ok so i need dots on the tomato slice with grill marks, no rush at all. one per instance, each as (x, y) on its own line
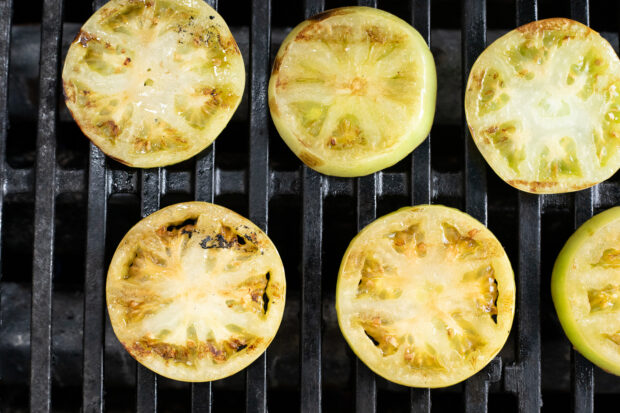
(195, 292)
(153, 82)
(425, 296)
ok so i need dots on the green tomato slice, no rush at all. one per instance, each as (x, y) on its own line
(352, 91)
(586, 289)
(543, 106)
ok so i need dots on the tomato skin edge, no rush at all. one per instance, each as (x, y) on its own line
(340, 319)
(558, 292)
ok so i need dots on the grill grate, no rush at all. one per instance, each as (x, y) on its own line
(262, 181)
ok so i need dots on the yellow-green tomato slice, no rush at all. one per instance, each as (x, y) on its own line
(543, 106)
(153, 82)
(195, 292)
(586, 289)
(425, 296)
(352, 91)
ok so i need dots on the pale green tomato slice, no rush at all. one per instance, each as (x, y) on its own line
(586, 289)
(352, 91)
(543, 106)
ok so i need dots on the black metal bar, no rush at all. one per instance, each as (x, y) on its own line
(44, 210)
(94, 280)
(260, 38)
(473, 36)
(365, 385)
(94, 285)
(6, 12)
(146, 380)
(201, 397)
(312, 245)
(420, 400)
(421, 179)
(527, 11)
(312, 7)
(527, 376)
(580, 11)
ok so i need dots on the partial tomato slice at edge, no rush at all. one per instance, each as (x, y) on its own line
(585, 287)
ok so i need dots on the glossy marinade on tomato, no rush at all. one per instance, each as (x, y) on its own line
(425, 296)
(352, 90)
(153, 82)
(195, 292)
(585, 287)
(543, 106)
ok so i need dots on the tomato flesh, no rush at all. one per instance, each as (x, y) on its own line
(425, 296)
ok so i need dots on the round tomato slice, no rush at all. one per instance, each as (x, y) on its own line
(153, 82)
(585, 287)
(425, 296)
(352, 91)
(195, 292)
(543, 106)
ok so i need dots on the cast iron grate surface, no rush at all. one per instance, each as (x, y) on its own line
(65, 206)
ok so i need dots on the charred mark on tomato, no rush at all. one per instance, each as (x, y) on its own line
(191, 222)
(375, 342)
(84, 37)
(265, 296)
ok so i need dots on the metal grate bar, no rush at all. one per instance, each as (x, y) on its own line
(582, 379)
(421, 180)
(44, 212)
(146, 380)
(312, 245)
(6, 13)
(526, 373)
(473, 38)
(365, 386)
(256, 378)
(94, 280)
(94, 285)
(201, 398)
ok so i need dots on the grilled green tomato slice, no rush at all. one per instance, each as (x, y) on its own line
(425, 296)
(153, 82)
(195, 292)
(543, 106)
(585, 287)
(352, 91)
